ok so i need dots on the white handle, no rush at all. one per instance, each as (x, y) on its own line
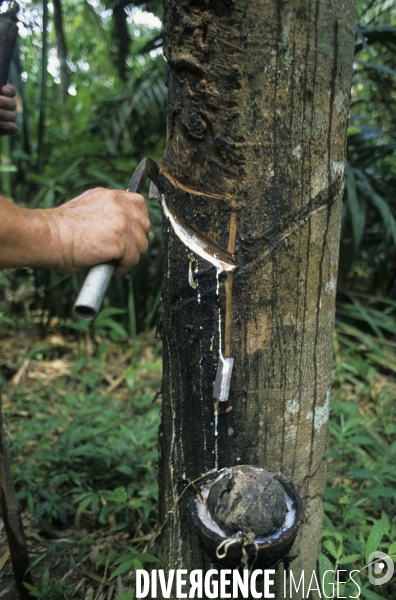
(92, 292)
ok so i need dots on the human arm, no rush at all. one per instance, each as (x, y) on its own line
(99, 226)
(7, 110)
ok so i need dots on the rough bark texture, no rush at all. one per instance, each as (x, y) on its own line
(257, 115)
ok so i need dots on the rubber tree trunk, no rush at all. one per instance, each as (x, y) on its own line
(257, 118)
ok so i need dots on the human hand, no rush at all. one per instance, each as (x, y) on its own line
(97, 227)
(7, 110)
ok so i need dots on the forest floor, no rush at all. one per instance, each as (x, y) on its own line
(81, 420)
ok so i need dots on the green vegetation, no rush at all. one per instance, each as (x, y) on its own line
(82, 425)
(369, 226)
(360, 501)
(112, 123)
(81, 402)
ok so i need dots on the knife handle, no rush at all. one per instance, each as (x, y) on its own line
(91, 296)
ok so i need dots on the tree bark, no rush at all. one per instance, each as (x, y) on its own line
(257, 117)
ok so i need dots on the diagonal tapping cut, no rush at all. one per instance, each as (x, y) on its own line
(197, 242)
(223, 260)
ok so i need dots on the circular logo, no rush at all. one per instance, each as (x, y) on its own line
(380, 568)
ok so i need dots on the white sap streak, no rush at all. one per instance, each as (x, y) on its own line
(218, 271)
(201, 396)
(191, 281)
(197, 284)
(197, 246)
(216, 419)
(216, 414)
(172, 460)
(220, 352)
(176, 532)
(191, 241)
(225, 363)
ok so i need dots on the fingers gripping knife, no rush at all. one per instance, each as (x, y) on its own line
(92, 293)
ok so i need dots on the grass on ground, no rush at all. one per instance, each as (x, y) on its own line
(82, 420)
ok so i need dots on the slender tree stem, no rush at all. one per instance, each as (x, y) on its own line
(43, 86)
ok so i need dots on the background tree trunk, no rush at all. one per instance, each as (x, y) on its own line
(257, 116)
(43, 90)
(61, 49)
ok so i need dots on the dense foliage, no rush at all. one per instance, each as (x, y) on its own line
(369, 225)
